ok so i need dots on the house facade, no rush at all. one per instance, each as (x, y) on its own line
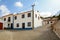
(8, 21)
(49, 21)
(37, 19)
(22, 20)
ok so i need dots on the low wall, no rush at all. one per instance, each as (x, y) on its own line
(56, 28)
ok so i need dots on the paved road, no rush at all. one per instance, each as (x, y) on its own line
(47, 35)
(36, 34)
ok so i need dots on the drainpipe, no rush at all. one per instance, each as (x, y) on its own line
(33, 16)
(13, 21)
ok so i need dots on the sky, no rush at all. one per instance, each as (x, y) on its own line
(46, 7)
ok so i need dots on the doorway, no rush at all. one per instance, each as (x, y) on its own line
(11, 25)
(23, 25)
(1, 26)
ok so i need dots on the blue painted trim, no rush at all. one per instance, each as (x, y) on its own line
(22, 29)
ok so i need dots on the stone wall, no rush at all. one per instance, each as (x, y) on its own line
(56, 28)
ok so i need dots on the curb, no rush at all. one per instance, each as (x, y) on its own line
(56, 33)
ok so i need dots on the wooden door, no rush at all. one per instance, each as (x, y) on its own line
(1, 26)
(23, 25)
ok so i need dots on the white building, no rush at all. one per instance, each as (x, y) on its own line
(22, 20)
(8, 21)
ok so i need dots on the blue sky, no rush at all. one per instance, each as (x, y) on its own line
(46, 7)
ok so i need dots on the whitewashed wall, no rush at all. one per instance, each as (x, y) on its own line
(37, 22)
(5, 23)
(21, 20)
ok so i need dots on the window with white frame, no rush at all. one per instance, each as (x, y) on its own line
(29, 24)
(17, 25)
(29, 14)
(9, 19)
(15, 17)
(4, 19)
(23, 16)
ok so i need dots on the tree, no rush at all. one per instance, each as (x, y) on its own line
(54, 16)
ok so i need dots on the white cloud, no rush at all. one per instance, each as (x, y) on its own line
(14, 13)
(4, 10)
(18, 4)
(46, 14)
(52, 6)
(55, 1)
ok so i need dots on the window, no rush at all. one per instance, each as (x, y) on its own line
(8, 25)
(29, 14)
(47, 22)
(15, 17)
(51, 21)
(4, 19)
(36, 15)
(17, 25)
(9, 19)
(29, 23)
(23, 16)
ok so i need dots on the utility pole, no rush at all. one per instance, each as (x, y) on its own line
(33, 16)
